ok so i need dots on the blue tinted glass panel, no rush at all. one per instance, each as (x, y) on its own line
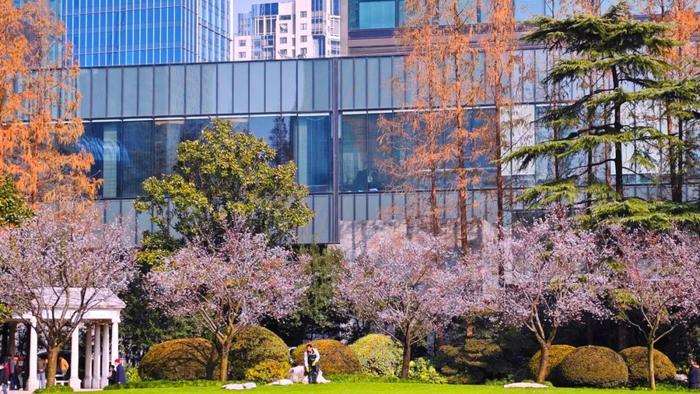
(99, 93)
(272, 86)
(372, 83)
(289, 86)
(145, 91)
(166, 137)
(193, 89)
(347, 88)
(208, 89)
(161, 85)
(257, 83)
(312, 152)
(114, 92)
(386, 85)
(240, 88)
(322, 83)
(177, 90)
(130, 91)
(353, 153)
(85, 93)
(305, 88)
(360, 83)
(224, 88)
(136, 154)
(372, 14)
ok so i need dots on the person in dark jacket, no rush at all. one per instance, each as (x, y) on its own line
(694, 375)
(4, 378)
(120, 372)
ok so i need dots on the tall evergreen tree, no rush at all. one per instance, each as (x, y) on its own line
(624, 56)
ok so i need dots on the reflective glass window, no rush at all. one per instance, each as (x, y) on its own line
(322, 83)
(193, 89)
(160, 102)
(353, 153)
(313, 152)
(372, 83)
(192, 129)
(372, 14)
(114, 92)
(346, 84)
(130, 91)
(209, 88)
(240, 87)
(386, 87)
(135, 157)
(224, 88)
(272, 86)
(177, 90)
(85, 93)
(166, 137)
(360, 83)
(257, 90)
(276, 132)
(99, 93)
(289, 86)
(145, 91)
(305, 80)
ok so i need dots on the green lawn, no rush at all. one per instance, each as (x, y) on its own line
(380, 388)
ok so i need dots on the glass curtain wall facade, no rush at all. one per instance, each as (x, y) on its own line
(132, 32)
(321, 113)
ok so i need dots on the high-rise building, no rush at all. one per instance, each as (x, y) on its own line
(135, 32)
(288, 29)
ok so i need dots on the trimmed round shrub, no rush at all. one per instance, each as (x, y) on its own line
(422, 370)
(636, 359)
(557, 353)
(252, 346)
(592, 366)
(179, 359)
(336, 358)
(267, 371)
(379, 355)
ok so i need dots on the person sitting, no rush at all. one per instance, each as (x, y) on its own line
(311, 363)
(694, 375)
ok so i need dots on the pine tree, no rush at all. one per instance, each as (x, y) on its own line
(624, 57)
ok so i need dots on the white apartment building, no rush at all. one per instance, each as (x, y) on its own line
(288, 29)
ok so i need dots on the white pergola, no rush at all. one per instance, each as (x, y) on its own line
(101, 325)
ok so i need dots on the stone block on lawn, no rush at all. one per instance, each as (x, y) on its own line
(525, 385)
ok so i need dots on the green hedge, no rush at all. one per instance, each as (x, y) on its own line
(592, 366)
(179, 359)
(636, 360)
(254, 345)
(379, 355)
(557, 353)
(336, 358)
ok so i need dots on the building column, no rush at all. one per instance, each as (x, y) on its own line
(87, 379)
(32, 382)
(115, 340)
(12, 339)
(74, 381)
(105, 356)
(97, 359)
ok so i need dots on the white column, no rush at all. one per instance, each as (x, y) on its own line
(87, 379)
(105, 355)
(32, 382)
(74, 381)
(115, 341)
(97, 359)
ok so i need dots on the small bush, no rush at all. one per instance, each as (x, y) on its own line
(336, 358)
(179, 359)
(592, 366)
(636, 360)
(55, 389)
(557, 353)
(379, 355)
(254, 345)
(132, 375)
(423, 371)
(267, 371)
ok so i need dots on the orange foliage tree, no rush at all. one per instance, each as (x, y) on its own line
(39, 125)
(428, 146)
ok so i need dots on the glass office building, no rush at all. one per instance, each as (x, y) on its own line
(132, 32)
(321, 113)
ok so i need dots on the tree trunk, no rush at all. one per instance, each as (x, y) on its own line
(434, 219)
(619, 183)
(462, 196)
(223, 360)
(677, 167)
(650, 365)
(406, 363)
(51, 364)
(544, 362)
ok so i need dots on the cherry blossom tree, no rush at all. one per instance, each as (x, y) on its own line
(60, 265)
(657, 277)
(552, 276)
(408, 287)
(229, 287)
